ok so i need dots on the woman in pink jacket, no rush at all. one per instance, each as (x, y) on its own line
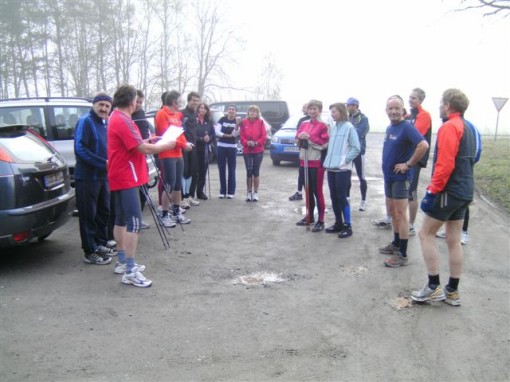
(253, 136)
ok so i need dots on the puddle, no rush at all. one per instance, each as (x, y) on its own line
(259, 278)
(400, 303)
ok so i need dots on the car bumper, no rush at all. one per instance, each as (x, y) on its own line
(38, 220)
(284, 153)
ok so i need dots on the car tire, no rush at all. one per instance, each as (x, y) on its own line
(276, 162)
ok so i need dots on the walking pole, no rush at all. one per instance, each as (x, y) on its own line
(207, 147)
(307, 189)
(152, 209)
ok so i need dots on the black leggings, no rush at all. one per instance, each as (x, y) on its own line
(253, 162)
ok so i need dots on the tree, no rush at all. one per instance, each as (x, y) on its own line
(490, 7)
(270, 79)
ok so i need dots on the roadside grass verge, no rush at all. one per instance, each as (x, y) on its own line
(492, 172)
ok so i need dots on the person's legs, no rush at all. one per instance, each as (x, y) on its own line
(335, 198)
(248, 163)
(231, 163)
(202, 173)
(222, 169)
(257, 162)
(359, 164)
(103, 212)
(413, 196)
(86, 201)
(321, 203)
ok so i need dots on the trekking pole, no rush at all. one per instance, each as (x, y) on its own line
(208, 176)
(152, 209)
(307, 186)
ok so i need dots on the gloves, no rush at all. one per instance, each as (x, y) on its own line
(428, 201)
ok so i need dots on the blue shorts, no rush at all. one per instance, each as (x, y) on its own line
(447, 208)
(128, 210)
(413, 195)
(398, 189)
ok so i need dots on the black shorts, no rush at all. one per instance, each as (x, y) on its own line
(413, 195)
(398, 189)
(447, 208)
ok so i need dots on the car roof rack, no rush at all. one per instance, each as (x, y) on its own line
(47, 99)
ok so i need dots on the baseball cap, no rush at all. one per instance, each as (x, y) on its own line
(352, 101)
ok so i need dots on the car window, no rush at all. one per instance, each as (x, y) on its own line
(26, 149)
(63, 120)
(32, 116)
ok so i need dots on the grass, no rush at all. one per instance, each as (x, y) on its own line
(492, 172)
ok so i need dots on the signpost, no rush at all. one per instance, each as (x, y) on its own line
(499, 102)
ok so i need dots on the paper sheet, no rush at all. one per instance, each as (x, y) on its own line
(170, 135)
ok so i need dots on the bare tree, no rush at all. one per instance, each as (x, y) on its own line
(490, 7)
(270, 80)
(214, 44)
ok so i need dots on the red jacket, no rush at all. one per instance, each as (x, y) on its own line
(253, 130)
(164, 118)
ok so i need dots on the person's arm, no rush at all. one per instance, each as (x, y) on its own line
(262, 136)
(423, 122)
(363, 127)
(82, 140)
(354, 146)
(151, 148)
(447, 148)
(242, 134)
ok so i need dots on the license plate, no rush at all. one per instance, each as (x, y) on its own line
(53, 179)
(291, 149)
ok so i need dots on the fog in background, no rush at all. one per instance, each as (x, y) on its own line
(372, 49)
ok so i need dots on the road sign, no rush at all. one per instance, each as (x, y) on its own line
(499, 102)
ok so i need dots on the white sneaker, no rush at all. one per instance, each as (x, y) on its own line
(167, 221)
(363, 206)
(136, 279)
(180, 219)
(412, 230)
(122, 268)
(249, 197)
(464, 239)
(185, 204)
(222, 196)
(111, 243)
(230, 196)
(144, 225)
(192, 202)
(441, 233)
(255, 197)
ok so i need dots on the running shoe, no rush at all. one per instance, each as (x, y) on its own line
(111, 243)
(395, 261)
(319, 226)
(345, 232)
(296, 196)
(381, 223)
(167, 222)
(136, 279)
(428, 294)
(97, 259)
(103, 250)
(255, 197)
(363, 206)
(412, 230)
(441, 233)
(144, 225)
(249, 197)
(464, 238)
(303, 222)
(192, 202)
(389, 249)
(181, 219)
(452, 296)
(230, 196)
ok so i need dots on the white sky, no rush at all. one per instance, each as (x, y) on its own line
(331, 50)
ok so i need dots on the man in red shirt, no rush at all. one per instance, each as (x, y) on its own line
(127, 172)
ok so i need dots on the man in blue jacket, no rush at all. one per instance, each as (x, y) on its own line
(92, 191)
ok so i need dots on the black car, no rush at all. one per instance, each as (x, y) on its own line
(37, 197)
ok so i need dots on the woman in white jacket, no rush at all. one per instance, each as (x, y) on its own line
(343, 147)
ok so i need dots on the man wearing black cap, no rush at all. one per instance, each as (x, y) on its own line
(360, 123)
(92, 191)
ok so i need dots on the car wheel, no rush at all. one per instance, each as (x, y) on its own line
(276, 162)
(43, 237)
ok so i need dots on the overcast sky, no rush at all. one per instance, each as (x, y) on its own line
(332, 50)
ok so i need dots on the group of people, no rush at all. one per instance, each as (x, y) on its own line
(336, 149)
(111, 171)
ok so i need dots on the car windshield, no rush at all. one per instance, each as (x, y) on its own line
(291, 123)
(26, 149)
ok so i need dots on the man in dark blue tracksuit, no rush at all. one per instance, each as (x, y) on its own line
(92, 191)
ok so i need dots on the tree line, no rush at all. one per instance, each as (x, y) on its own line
(77, 47)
